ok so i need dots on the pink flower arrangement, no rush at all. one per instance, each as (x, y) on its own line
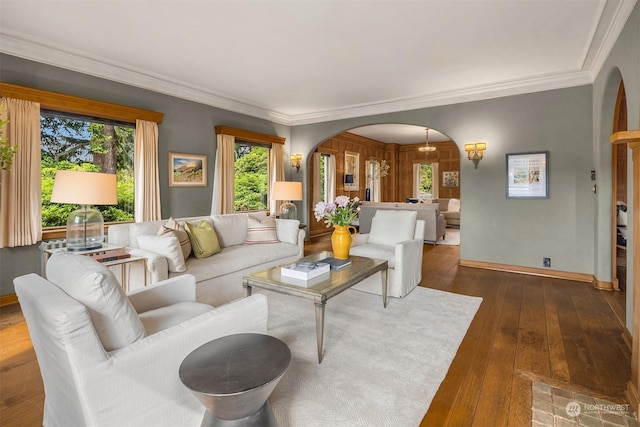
(342, 212)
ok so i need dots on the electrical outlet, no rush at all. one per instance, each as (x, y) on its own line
(546, 262)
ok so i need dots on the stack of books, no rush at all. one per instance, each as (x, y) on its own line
(111, 256)
(305, 270)
(336, 264)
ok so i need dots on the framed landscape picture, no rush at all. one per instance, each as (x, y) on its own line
(528, 175)
(450, 179)
(187, 170)
(352, 167)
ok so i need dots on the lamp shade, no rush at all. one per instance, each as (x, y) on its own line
(286, 190)
(85, 188)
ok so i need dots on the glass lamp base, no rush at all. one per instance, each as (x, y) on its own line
(288, 211)
(85, 229)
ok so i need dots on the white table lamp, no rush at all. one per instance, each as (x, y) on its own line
(85, 226)
(287, 191)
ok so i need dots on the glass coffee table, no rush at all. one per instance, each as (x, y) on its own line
(322, 288)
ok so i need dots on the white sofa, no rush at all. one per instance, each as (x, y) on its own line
(395, 235)
(219, 277)
(110, 359)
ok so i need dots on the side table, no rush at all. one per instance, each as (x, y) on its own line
(233, 377)
(124, 263)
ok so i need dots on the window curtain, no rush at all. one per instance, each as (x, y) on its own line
(20, 187)
(147, 183)
(435, 180)
(375, 166)
(276, 173)
(317, 174)
(223, 178)
(331, 178)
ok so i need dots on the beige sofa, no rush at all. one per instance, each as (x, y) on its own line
(450, 210)
(435, 225)
(219, 277)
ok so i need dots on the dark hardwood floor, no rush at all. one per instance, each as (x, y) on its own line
(527, 328)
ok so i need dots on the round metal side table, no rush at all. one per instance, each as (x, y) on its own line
(233, 377)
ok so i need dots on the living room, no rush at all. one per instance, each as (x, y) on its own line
(573, 123)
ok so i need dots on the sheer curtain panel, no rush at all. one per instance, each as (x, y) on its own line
(276, 172)
(147, 188)
(20, 187)
(223, 177)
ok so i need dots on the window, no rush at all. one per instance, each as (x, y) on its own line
(324, 182)
(425, 181)
(251, 177)
(75, 142)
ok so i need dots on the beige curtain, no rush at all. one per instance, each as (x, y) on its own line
(20, 187)
(147, 181)
(276, 173)
(331, 178)
(223, 176)
(316, 179)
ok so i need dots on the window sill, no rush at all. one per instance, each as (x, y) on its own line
(52, 233)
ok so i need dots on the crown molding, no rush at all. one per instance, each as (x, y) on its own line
(100, 67)
(612, 20)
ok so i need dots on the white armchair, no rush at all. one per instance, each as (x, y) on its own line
(397, 236)
(110, 359)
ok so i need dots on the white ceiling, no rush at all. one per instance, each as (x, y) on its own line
(306, 61)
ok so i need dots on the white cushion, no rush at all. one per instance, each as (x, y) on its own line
(389, 227)
(259, 232)
(165, 317)
(172, 226)
(454, 205)
(167, 245)
(91, 283)
(376, 251)
(287, 230)
(231, 229)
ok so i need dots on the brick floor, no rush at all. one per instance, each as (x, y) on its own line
(556, 407)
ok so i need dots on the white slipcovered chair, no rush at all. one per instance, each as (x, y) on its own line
(108, 359)
(397, 236)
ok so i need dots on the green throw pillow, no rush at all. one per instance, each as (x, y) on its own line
(203, 238)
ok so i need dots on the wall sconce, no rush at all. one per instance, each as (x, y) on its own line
(475, 152)
(295, 161)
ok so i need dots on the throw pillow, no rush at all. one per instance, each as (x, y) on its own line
(389, 227)
(168, 246)
(91, 283)
(204, 240)
(287, 230)
(261, 231)
(173, 226)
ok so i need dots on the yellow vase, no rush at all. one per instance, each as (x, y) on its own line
(341, 240)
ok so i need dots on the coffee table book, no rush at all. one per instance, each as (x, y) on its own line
(305, 270)
(336, 263)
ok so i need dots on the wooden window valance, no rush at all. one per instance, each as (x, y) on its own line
(77, 105)
(249, 136)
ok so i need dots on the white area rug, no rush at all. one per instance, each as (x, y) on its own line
(381, 367)
(451, 237)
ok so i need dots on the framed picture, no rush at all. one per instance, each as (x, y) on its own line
(187, 170)
(528, 175)
(450, 179)
(352, 167)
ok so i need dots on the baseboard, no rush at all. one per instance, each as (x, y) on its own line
(544, 272)
(8, 299)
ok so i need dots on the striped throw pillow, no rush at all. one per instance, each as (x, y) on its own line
(261, 231)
